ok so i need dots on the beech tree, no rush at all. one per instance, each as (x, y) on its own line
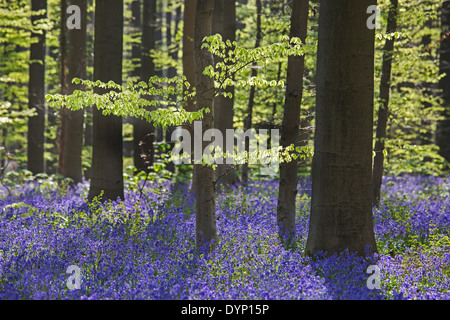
(286, 208)
(225, 25)
(203, 176)
(251, 99)
(383, 111)
(144, 131)
(443, 127)
(36, 95)
(341, 203)
(107, 152)
(72, 130)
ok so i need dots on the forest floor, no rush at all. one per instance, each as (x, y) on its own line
(144, 246)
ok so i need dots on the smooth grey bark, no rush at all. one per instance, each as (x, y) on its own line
(203, 180)
(71, 163)
(144, 133)
(341, 204)
(36, 96)
(225, 25)
(286, 209)
(107, 152)
(383, 111)
(442, 135)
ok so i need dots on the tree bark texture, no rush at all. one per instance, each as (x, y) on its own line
(341, 204)
(36, 96)
(144, 132)
(71, 164)
(204, 188)
(290, 128)
(107, 155)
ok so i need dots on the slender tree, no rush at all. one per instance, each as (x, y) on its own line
(442, 135)
(251, 100)
(72, 130)
(341, 203)
(107, 159)
(204, 183)
(383, 111)
(225, 24)
(188, 48)
(291, 123)
(143, 131)
(36, 95)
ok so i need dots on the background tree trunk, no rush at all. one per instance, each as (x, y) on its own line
(383, 111)
(341, 204)
(204, 184)
(251, 100)
(144, 136)
(442, 135)
(36, 94)
(188, 48)
(225, 24)
(71, 164)
(107, 160)
(290, 128)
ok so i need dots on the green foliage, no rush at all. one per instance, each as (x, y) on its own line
(129, 101)
(415, 102)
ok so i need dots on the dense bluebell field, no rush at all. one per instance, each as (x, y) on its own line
(143, 248)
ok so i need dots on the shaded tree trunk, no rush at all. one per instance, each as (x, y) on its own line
(383, 111)
(204, 184)
(442, 136)
(36, 96)
(63, 76)
(188, 49)
(72, 136)
(341, 203)
(225, 24)
(290, 128)
(251, 100)
(143, 131)
(107, 155)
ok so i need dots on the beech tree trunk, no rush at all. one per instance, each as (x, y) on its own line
(188, 48)
(341, 204)
(225, 25)
(383, 111)
(442, 135)
(72, 136)
(251, 100)
(36, 96)
(291, 123)
(107, 155)
(204, 184)
(144, 136)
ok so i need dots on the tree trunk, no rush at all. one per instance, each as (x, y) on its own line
(383, 111)
(290, 127)
(206, 232)
(188, 48)
(107, 160)
(63, 77)
(442, 135)
(143, 131)
(71, 164)
(225, 24)
(251, 100)
(341, 204)
(36, 94)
